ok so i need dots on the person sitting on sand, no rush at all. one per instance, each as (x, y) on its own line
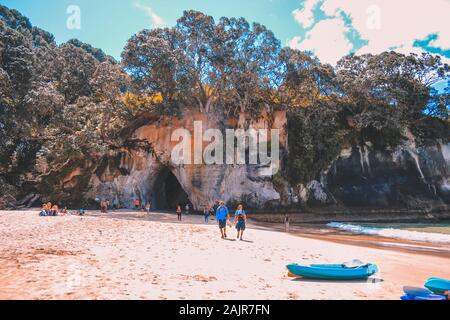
(222, 217)
(55, 211)
(64, 211)
(81, 212)
(44, 212)
(240, 219)
(49, 208)
(179, 212)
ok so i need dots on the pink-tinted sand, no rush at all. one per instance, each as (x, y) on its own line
(130, 255)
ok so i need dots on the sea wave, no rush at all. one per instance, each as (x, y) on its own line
(393, 233)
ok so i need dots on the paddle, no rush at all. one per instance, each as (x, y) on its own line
(416, 292)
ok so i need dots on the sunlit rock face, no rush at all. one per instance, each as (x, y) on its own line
(157, 179)
(406, 177)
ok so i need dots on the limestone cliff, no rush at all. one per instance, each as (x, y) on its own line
(408, 177)
(155, 178)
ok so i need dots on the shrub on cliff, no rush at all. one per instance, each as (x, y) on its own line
(63, 104)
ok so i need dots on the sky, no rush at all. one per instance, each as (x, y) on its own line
(329, 29)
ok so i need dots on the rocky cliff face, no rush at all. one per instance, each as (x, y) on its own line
(407, 177)
(156, 178)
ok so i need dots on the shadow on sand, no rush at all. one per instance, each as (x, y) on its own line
(370, 280)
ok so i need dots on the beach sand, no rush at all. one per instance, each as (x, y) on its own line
(129, 255)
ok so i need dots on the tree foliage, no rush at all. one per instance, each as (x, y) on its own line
(61, 105)
(223, 67)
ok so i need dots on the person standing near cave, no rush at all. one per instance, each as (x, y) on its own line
(105, 206)
(179, 212)
(136, 204)
(99, 203)
(206, 213)
(287, 223)
(116, 204)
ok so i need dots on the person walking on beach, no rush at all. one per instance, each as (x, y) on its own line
(148, 207)
(222, 217)
(287, 223)
(206, 213)
(179, 212)
(240, 219)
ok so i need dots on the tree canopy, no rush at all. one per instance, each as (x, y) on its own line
(67, 103)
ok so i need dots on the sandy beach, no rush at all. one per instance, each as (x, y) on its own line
(129, 255)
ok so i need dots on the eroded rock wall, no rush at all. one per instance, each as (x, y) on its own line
(137, 173)
(409, 176)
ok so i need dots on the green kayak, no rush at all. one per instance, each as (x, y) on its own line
(333, 271)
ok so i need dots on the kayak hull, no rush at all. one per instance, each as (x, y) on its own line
(332, 272)
(438, 286)
(432, 297)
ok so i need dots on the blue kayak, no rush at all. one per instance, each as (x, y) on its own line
(432, 297)
(333, 271)
(438, 286)
(415, 292)
(420, 294)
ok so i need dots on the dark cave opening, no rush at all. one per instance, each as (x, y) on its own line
(168, 192)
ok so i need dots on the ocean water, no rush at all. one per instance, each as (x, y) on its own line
(434, 233)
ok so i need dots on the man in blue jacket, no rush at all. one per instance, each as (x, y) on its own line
(222, 216)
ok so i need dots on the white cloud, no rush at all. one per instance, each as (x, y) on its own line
(327, 40)
(156, 20)
(305, 16)
(385, 24)
(401, 21)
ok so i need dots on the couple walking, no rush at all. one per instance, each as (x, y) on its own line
(223, 217)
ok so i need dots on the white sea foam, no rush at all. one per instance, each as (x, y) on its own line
(393, 233)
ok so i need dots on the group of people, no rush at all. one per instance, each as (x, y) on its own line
(141, 205)
(222, 217)
(105, 204)
(187, 210)
(219, 209)
(49, 210)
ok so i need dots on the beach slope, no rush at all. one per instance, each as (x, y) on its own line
(129, 255)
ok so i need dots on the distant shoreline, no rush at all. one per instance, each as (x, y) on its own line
(317, 232)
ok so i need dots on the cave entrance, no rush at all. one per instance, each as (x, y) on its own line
(168, 192)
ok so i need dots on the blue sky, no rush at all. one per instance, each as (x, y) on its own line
(108, 24)
(328, 28)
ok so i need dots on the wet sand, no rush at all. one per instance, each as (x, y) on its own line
(129, 255)
(320, 232)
